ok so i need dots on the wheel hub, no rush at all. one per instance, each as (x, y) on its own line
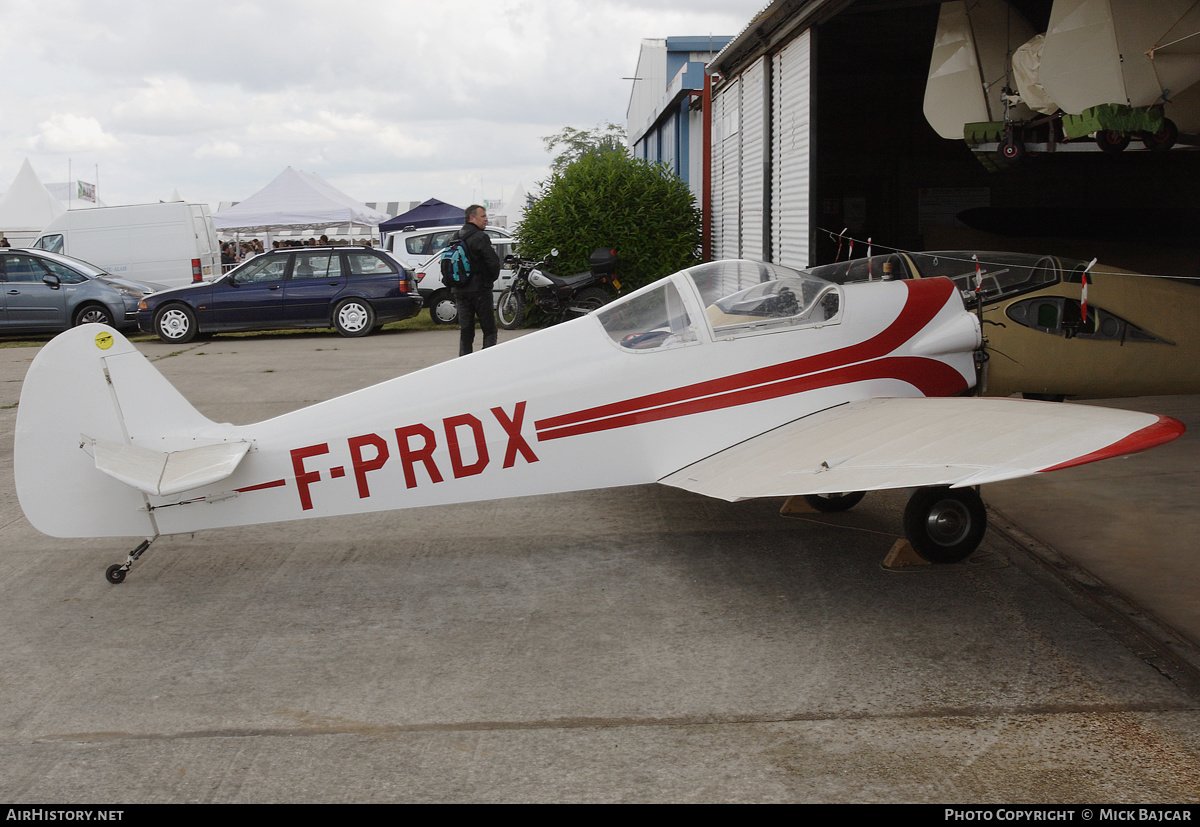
(948, 523)
(353, 317)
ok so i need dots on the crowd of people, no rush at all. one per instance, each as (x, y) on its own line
(234, 253)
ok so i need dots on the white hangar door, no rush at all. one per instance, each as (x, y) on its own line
(739, 170)
(791, 171)
(726, 171)
(760, 159)
(753, 160)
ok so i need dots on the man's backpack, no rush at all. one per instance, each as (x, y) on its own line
(456, 266)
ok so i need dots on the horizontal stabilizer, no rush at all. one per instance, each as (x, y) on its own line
(907, 442)
(161, 472)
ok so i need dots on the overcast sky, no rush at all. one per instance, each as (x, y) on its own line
(386, 99)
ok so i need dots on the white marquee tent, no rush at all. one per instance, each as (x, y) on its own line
(26, 207)
(296, 200)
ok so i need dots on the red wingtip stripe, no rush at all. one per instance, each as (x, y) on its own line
(1162, 431)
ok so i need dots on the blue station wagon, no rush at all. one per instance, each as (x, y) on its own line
(352, 289)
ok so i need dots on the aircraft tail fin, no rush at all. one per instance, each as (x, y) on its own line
(99, 429)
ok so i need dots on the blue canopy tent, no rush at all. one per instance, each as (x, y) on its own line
(433, 213)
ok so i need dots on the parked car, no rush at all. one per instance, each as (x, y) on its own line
(352, 289)
(436, 296)
(48, 292)
(412, 247)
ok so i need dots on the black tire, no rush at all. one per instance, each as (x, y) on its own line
(115, 574)
(587, 299)
(442, 308)
(510, 310)
(1044, 397)
(830, 503)
(175, 324)
(353, 318)
(1112, 142)
(93, 314)
(945, 525)
(1164, 138)
(1012, 150)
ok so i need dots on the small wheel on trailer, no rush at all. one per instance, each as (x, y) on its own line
(1164, 138)
(1012, 149)
(945, 525)
(115, 574)
(829, 503)
(1110, 141)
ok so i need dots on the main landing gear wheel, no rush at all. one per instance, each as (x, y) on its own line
(945, 525)
(830, 503)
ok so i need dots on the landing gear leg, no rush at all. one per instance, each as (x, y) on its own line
(116, 572)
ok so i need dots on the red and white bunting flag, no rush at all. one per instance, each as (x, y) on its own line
(841, 237)
(1083, 294)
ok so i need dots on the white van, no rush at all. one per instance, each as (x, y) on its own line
(171, 243)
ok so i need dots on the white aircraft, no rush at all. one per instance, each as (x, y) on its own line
(733, 379)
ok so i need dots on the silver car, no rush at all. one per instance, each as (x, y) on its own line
(44, 292)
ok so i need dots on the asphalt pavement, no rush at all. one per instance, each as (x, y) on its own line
(629, 645)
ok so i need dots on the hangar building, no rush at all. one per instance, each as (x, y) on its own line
(817, 124)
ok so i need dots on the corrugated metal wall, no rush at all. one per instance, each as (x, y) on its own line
(791, 171)
(764, 112)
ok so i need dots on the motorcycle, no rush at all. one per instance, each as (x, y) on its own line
(562, 297)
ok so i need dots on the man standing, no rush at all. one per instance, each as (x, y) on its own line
(474, 299)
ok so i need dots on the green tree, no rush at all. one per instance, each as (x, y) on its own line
(576, 143)
(603, 199)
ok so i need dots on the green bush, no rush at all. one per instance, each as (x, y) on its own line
(607, 198)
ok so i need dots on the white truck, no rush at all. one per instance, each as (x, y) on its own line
(171, 243)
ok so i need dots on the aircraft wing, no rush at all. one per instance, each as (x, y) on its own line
(906, 442)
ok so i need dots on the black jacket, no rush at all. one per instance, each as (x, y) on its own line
(485, 261)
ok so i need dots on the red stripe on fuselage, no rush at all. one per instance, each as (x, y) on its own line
(931, 377)
(926, 298)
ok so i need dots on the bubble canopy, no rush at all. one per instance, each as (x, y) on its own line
(737, 297)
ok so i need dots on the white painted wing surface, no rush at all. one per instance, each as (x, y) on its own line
(907, 442)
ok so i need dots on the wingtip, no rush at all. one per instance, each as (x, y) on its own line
(1158, 433)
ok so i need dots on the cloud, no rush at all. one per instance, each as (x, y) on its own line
(224, 150)
(71, 133)
(397, 99)
(169, 106)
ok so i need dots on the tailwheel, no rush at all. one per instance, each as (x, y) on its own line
(945, 525)
(116, 572)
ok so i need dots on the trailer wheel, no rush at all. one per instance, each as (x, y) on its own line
(1112, 142)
